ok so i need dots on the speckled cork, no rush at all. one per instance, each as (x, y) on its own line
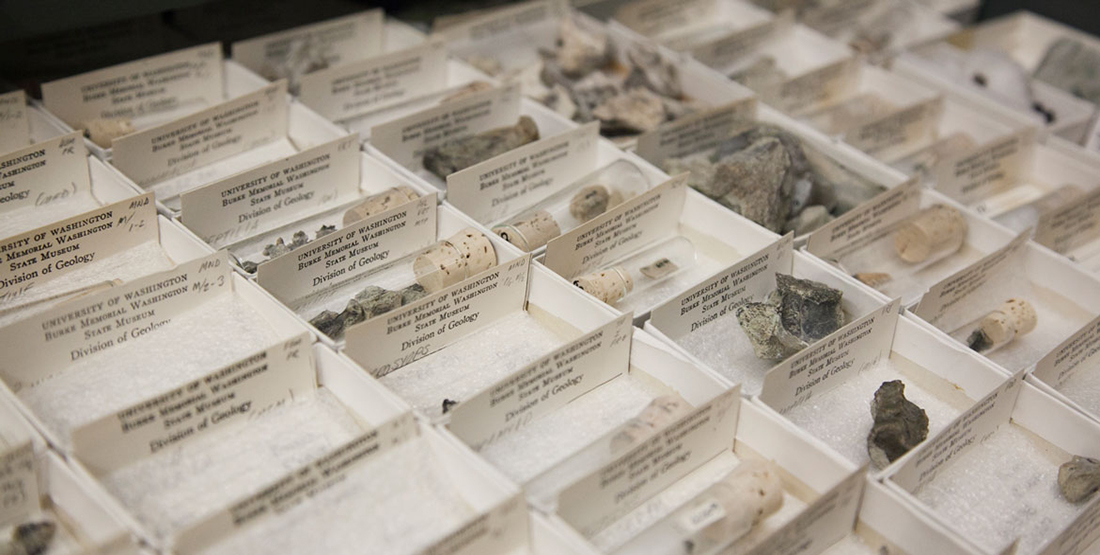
(609, 285)
(376, 204)
(937, 230)
(531, 232)
(448, 262)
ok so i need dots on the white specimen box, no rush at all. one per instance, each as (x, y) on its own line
(58, 185)
(236, 81)
(246, 240)
(142, 243)
(815, 69)
(514, 36)
(264, 126)
(1025, 433)
(1072, 116)
(307, 299)
(715, 239)
(624, 505)
(863, 243)
(831, 398)
(696, 321)
(882, 113)
(510, 192)
(405, 140)
(879, 29)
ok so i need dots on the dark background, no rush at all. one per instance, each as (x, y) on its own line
(49, 39)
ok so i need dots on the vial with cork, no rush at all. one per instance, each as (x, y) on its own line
(634, 274)
(1014, 318)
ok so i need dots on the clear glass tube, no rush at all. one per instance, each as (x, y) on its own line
(1014, 318)
(407, 280)
(716, 518)
(659, 413)
(639, 271)
(930, 235)
(581, 201)
(1028, 215)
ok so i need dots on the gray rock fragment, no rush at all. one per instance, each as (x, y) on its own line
(757, 185)
(459, 154)
(413, 293)
(278, 248)
(763, 324)
(298, 240)
(899, 425)
(328, 323)
(1073, 67)
(375, 300)
(581, 50)
(325, 230)
(809, 309)
(635, 111)
(31, 538)
(1079, 478)
(652, 71)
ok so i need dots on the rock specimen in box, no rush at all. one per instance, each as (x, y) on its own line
(769, 176)
(1073, 67)
(1079, 478)
(1014, 318)
(370, 302)
(459, 154)
(899, 426)
(303, 55)
(797, 313)
(31, 538)
(103, 131)
(588, 78)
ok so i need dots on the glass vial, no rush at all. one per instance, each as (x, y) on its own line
(1028, 215)
(931, 235)
(1014, 318)
(659, 413)
(411, 278)
(719, 516)
(589, 197)
(640, 271)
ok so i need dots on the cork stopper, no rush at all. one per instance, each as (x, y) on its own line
(1022, 313)
(750, 493)
(938, 229)
(531, 232)
(609, 285)
(448, 262)
(376, 204)
(1014, 317)
(103, 131)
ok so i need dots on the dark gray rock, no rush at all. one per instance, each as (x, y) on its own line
(448, 404)
(810, 310)
(763, 325)
(757, 183)
(329, 323)
(353, 314)
(1073, 67)
(899, 425)
(32, 538)
(300, 239)
(413, 293)
(278, 248)
(1079, 478)
(376, 301)
(325, 230)
(459, 154)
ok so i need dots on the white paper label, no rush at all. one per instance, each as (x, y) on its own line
(53, 340)
(504, 185)
(968, 429)
(697, 132)
(298, 485)
(239, 125)
(364, 86)
(328, 43)
(388, 342)
(500, 21)
(899, 128)
(351, 251)
(748, 279)
(1000, 265)
(47, 172)
(501, 530)
(974, 175)
(1078, 352)
(406, 139)
(635, 223)
(72, 244)
(233, 394)
(15, 128)
(18, 484)
(649, 17)
(147, 86)
(261, 199)
(858, 346)
(597, 500)
(817, 86)
(729, 49)
(544, 385)
(866, 223)
(1071, 226)
(824, 522)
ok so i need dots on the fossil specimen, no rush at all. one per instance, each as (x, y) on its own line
(797, 313)
(461, 153)
(899, 424)
(1079, 478)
